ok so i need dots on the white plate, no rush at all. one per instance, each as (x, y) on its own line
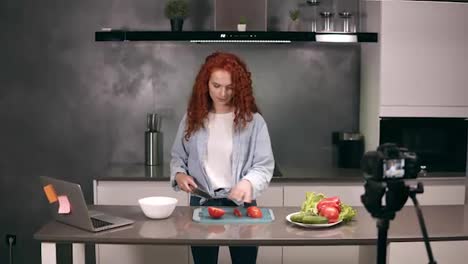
(288, 218)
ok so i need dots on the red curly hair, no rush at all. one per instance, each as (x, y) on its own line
(201, 103)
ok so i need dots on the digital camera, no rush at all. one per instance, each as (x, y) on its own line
(390, 162)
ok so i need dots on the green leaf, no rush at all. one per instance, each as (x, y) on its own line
(347, 213)
(176, 9)
(310, 204)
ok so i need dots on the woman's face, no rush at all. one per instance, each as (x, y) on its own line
(220, 88)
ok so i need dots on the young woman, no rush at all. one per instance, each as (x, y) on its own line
(222, 145)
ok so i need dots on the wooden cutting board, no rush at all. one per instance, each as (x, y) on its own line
(201, 215)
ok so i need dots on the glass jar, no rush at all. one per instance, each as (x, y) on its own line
(327, 23)
(347, 22)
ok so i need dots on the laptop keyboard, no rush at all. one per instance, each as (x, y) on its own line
(99, 223)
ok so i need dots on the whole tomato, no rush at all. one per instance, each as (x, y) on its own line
(254, 212)
(215, 212)
(237, 212)
(331, 213)
(324, 203)
(334, 199)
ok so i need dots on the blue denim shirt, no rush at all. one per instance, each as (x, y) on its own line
(252, 156)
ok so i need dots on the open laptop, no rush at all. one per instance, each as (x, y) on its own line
(79, 215)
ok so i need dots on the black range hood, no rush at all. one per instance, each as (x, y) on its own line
(234, 36)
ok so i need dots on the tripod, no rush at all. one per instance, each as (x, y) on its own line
(396, 194)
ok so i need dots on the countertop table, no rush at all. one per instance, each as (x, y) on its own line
(444, 223)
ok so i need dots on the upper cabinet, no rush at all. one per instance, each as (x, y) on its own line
(419, 67)
(248, 21)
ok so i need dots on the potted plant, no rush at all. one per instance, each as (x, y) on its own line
(294, 23)
(176, 11)
(242, 26)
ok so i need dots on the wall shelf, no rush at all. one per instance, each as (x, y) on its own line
(234, 36)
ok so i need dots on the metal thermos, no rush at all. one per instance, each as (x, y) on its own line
(350, 146)
(153, 140)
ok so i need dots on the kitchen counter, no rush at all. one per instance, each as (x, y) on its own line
(284, 191)
(179, 229)
(140, 172)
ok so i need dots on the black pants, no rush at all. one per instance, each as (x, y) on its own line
(209, 254)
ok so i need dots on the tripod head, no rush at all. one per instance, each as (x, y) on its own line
(385, 171)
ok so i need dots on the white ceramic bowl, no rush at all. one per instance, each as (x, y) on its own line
(157, 207)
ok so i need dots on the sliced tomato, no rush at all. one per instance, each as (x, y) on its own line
(254, 212)
(215, 212)
(322, 204)
(331, 213)
(237, 212)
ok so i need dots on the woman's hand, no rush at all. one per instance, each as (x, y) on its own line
(185, 182)
(242, 192)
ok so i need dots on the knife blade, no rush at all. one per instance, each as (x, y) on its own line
(201, 193)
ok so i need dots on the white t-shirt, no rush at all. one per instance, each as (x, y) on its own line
(218, 160)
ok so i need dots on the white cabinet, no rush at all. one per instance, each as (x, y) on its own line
(419, 64)
(273, 196)
(446, 193)
(453, 252)
(441, 194)
(350, 193)
(128, 193)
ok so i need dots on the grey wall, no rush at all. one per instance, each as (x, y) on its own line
(304, 92)
(69, 106)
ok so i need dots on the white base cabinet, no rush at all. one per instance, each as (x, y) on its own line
(280, 194)
(322, 255)
(141, 254)
(444, 252)
(128, 193)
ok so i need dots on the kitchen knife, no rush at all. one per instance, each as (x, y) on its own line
(201, 193)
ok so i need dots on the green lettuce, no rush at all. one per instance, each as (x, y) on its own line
(310, 204)
(347, 212)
